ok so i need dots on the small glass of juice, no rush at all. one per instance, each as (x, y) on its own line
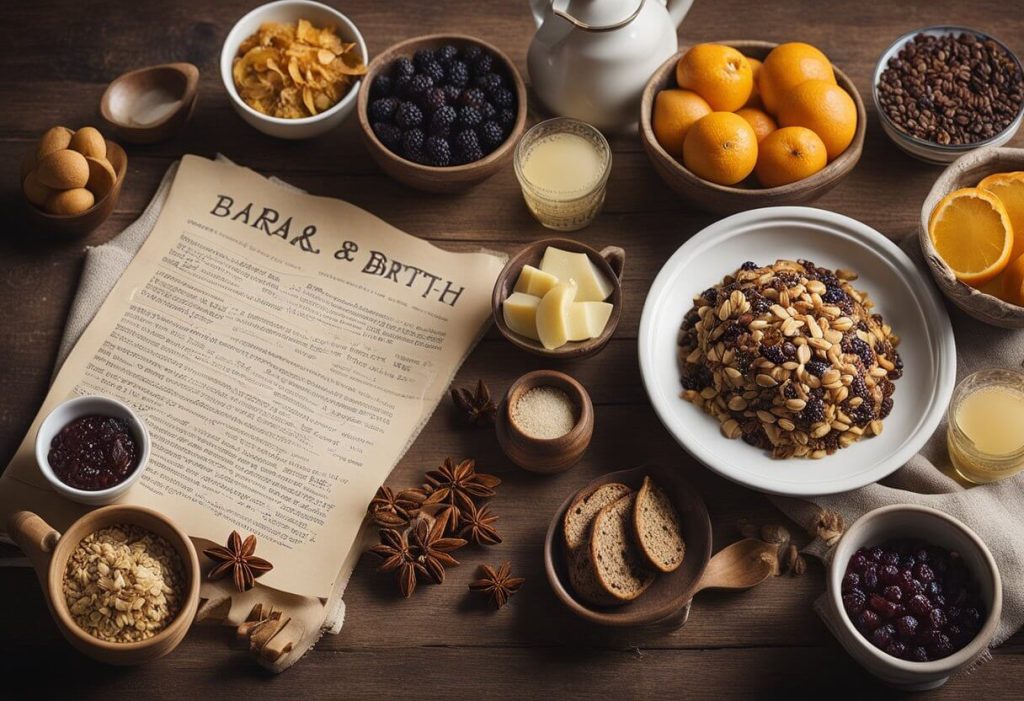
(986, 426)
(563, 165)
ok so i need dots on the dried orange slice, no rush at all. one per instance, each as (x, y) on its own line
(972, 233)
(1009, 188)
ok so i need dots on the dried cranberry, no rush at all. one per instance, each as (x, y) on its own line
(893, 593)
(870, 578)
(919, 605)
(868, 620)
(94, 452)
(882, 606)
(915, 587)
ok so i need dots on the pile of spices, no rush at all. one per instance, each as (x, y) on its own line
(93, 453)
(951, 89)
(544, 412)
(123, 584)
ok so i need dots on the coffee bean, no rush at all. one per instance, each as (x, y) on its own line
(961, 88)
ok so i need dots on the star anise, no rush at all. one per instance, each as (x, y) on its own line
(394, 510)
(397, 557)
(430, 548)
(478, 526)
(238, 559)
(498, 585)
(457, 485)
(480, 410)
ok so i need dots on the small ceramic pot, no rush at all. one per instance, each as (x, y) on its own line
(546, 455)
(66, 412)
(49, 552)
(937, 528)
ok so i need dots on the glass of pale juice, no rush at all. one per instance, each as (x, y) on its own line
(563, 165)
(986, 425)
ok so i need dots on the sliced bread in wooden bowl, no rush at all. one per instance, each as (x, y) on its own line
(657, 529)
(577, 526)
(618, 566)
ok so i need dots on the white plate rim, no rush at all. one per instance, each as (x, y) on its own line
(942, 342)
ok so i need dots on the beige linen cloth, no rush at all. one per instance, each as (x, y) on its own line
(994, 511)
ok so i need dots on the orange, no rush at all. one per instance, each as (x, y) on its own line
(1009, 188)
(675, 111)
(972, 233)
(1013, 282)
(788, 65)
(755, 92)
(720, 74)
(824, 108)
(789, 154)
(721, 148)
(759, 120)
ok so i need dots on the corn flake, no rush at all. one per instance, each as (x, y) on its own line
(295, 70)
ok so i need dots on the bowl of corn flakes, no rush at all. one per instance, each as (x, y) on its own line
(292, 68)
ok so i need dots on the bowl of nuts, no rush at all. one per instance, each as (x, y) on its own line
(941, 92)
(122, 582)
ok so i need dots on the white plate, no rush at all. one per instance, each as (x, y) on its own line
(901, 294)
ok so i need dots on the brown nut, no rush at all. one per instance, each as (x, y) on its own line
(35, 192)
(88, 141)
(63, 170)
(101, 177)
(55, 139)
(73, 201)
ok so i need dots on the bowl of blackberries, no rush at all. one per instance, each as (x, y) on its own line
(443, 112)
(916, 595)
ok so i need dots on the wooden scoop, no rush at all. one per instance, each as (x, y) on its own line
(742, 565)
(151, 104)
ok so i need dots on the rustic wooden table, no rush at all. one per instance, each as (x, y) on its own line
(58, 57)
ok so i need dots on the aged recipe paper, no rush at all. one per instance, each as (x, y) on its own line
(283, 350)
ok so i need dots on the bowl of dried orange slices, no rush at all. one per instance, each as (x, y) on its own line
(292, 68)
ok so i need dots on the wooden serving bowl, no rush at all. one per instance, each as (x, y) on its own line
(609, 260)
(179, 80)
(545, 455)
(967, 171)
(74, 225)
(729, 199)
(49, 551)
(431, 178)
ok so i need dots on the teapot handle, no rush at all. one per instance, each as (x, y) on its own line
(539, 7)
(677, 10)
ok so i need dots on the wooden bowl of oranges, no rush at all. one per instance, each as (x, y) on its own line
(737, 125)
(71, 180)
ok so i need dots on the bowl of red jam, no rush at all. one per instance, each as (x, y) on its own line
(916, 595)
(92, 449)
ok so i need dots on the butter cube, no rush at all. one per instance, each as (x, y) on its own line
(534, 281)
(591, 284)
(520, 312)
(588, 319)
(553, 315)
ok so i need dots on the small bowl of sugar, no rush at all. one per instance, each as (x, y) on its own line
(545, 422)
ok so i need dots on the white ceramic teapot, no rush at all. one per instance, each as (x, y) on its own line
(590, 59)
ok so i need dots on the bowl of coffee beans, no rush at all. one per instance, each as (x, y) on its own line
(941, 92)
(443, 112)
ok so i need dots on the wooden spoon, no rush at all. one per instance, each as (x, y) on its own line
(151, 104)
(742, 565)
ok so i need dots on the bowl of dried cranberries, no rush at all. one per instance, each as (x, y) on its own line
(916, 593)
(443, 112)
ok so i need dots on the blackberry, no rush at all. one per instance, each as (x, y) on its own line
(408, 115)
(451, 93)
(474, 97)
(439, 152)
(472, 155)
(897, 361)
(503, 97)
(446, 54)
(506, 119)
(817, 367)
(861, 415)
(814, 411)
(403, 67)
(732, 332)
(402, 86)
(471, 53)
(831, 442)
(434, 70)
(489, 111)
(389, 134)
(483, 65)
(466, 141)
(420, 84)
(382, 86)
(491, 135)
(789, 350)
(488, 83)
(862, 350)
(749, 265)
(774, 354)
(834, 295)
(469, 116)
(422, 57)
(886, 408)
(434, 100)
(458, 74)
(710, 295)
(383, 109)
(412, 144)
(442, 121)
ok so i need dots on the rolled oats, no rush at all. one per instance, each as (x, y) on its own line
(791, 358)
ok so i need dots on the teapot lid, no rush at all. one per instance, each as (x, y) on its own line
(598, 15)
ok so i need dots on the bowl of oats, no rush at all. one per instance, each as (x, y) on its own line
(796, 351)
(122, 582)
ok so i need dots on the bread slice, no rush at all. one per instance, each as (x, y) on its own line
(658, 532)
(618, 565)
(576, 528)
